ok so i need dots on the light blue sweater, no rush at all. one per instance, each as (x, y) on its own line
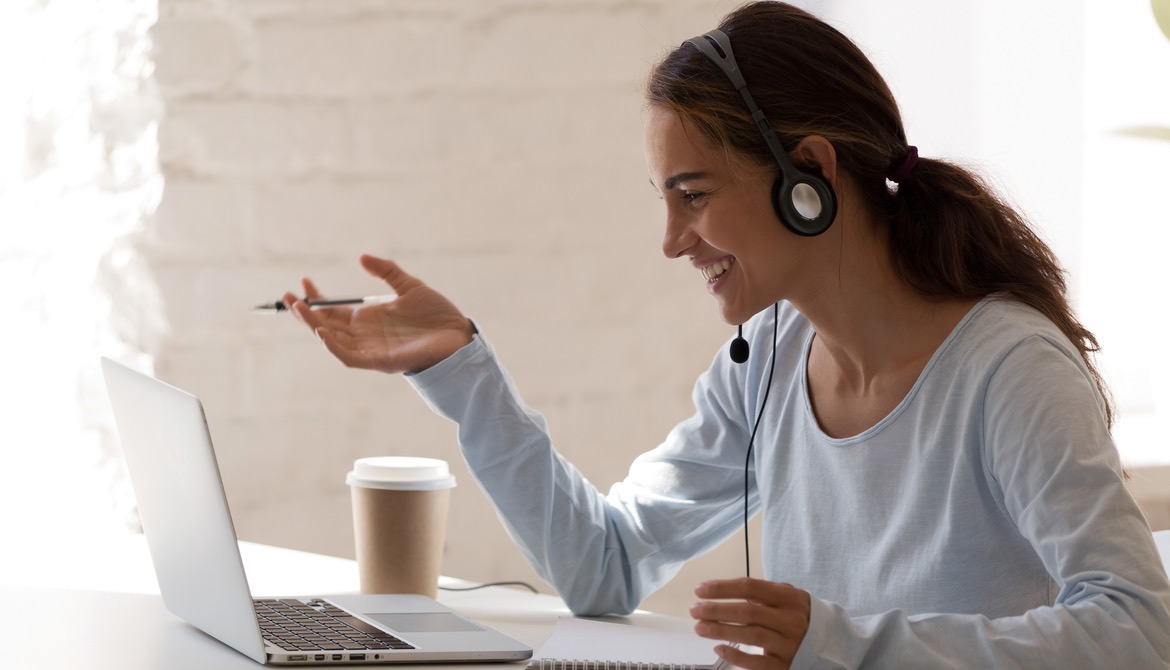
(984, 523)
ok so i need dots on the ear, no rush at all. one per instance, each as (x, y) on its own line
(815, 151)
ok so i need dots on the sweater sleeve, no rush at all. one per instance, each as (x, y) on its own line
(1054, 471)
(602, 553)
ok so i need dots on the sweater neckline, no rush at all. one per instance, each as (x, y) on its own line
(876, 428)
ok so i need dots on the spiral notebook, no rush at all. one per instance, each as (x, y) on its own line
(587, 644)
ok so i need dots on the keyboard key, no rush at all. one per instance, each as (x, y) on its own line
(294, 625)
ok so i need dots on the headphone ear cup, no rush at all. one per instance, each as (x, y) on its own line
(805, 205)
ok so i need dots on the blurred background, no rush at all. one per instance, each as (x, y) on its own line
(167, 164)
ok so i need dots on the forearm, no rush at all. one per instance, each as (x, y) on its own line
(1119, 631)
(559, 520)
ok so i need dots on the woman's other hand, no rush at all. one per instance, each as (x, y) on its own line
(416, 330)
(771, 616)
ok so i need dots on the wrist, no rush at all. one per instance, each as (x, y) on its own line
(447, 344)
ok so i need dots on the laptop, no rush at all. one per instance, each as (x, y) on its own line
(192, 541)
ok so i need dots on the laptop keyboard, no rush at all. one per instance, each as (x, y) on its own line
(318, 626)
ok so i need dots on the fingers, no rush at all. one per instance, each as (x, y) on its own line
(754, 612)
(743, 623)
(779, 607)
(746, 588)
(335, 319)
(373, 338)
(742, 659)
(389, 271)
(311, 292)
(291, 301)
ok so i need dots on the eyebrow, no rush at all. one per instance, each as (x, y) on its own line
(677, 179)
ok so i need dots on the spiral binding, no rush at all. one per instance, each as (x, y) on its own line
(564, 664)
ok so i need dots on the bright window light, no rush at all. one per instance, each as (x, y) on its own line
(78, 172)
(1125, 280)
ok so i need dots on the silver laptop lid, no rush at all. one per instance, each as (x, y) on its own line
(183, 508)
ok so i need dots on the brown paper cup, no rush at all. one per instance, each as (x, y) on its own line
(400, 523)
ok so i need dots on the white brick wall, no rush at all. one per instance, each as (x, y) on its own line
(495, 149)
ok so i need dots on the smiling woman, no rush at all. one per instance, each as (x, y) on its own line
(299, 134)
(922, 401)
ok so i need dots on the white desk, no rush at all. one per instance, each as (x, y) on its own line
(99, 608)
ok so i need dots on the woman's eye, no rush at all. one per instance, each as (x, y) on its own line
(692, 197)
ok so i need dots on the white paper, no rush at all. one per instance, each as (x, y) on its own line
(586, 640)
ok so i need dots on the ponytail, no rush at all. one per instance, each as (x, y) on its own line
(950, 236)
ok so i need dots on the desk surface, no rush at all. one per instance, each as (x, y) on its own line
(99, 608)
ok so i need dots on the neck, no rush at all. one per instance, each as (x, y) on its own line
(868, 321)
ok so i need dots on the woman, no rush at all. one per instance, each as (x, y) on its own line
(919, 417)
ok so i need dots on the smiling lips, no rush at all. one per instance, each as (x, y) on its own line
(714, 270)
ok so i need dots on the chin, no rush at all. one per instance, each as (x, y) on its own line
(737, 315)
(733, 316)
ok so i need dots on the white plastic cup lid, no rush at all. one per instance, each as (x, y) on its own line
(401, 473)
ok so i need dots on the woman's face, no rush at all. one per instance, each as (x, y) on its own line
(720, 217)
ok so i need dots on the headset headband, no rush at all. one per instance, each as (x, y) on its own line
(804, 201)
(717, 46)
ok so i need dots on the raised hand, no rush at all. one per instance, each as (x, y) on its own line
(416, 330)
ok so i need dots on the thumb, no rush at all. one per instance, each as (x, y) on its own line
(389, 271)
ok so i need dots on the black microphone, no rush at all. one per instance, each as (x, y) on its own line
(739, 348)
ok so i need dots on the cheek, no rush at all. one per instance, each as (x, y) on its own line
(756, 217)
(758, 235)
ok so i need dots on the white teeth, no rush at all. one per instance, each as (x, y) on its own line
(715, 269)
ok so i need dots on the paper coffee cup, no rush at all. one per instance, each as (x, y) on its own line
(400, 522)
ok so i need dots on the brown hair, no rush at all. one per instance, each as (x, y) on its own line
(950, 236)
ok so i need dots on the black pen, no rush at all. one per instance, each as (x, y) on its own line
(319, 303)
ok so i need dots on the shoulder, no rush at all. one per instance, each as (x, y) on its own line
(1027, 370)
(1001, 330)
(1008, 363)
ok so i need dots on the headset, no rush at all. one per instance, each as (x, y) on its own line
(803, 201)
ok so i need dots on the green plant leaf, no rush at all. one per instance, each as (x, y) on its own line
(1147, 132)
(1162, 15)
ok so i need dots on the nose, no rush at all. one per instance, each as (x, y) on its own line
(679, 236)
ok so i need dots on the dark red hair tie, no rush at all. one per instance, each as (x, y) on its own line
(902, 172)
